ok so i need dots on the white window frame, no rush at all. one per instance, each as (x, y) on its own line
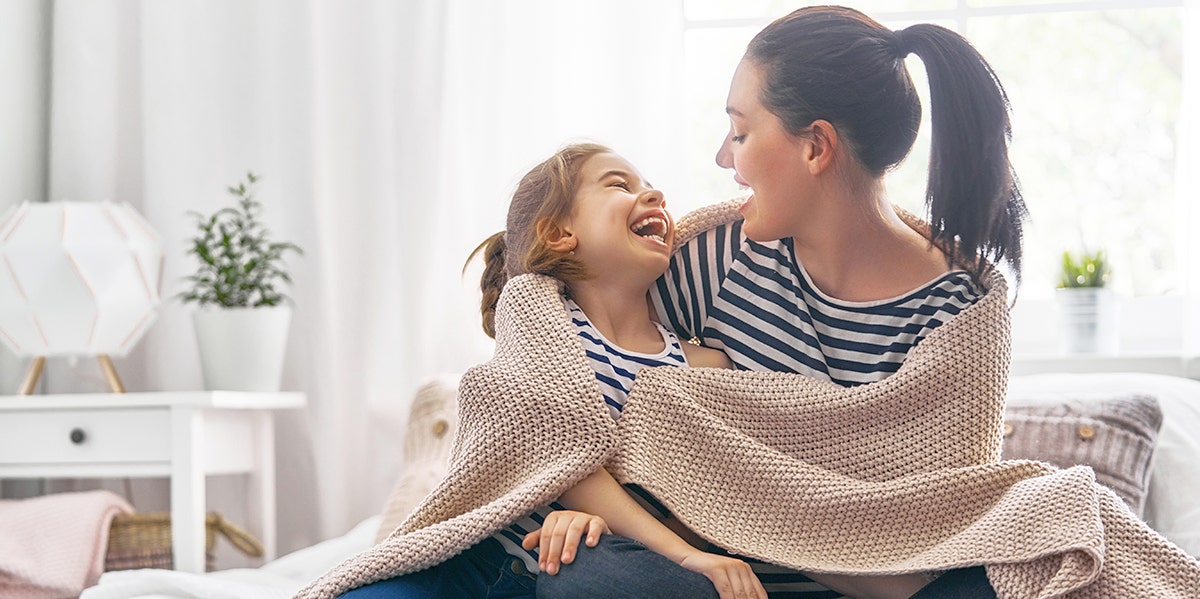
(1172, 345)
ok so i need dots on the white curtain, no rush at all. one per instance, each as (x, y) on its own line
(388, 136)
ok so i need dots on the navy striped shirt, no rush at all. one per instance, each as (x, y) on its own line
(756, 302)
(615, 369)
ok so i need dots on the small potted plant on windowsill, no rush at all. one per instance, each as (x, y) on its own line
(1086, 305)
(242, 324)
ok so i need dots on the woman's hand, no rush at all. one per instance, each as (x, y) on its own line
(732, 577)
(558, 538)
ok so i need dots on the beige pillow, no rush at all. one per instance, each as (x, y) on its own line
(1116, 436)
(432, 422)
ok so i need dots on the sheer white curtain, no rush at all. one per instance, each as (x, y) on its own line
(388, 135)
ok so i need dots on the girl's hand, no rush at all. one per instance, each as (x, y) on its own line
(732, 577)
(558, 538)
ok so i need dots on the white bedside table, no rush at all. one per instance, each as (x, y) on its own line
(182, 435)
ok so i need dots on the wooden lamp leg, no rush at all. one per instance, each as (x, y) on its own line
(110, 373)
(32, 375)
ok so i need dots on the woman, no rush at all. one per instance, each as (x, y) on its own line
(823, 277)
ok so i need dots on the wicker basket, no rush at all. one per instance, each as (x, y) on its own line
(143, 540)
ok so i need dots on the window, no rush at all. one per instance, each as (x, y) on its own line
(1096, 92)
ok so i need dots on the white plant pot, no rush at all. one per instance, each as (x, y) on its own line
(1089, 320)
(242, 349)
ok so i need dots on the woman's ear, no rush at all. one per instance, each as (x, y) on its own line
(824, 144)
(558, 238)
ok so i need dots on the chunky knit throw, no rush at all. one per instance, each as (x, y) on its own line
(891, 477)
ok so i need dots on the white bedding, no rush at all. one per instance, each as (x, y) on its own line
(280, 578)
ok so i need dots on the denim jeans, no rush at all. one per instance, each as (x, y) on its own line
(964, 582)
(484, 571)
(620, 568)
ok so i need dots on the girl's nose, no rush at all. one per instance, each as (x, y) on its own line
(654, 197)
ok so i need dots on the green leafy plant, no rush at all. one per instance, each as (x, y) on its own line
(1085, 269)
(239, 266)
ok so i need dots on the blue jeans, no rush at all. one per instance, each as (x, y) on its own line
(620, 568)
(484, 571)
(965, 582)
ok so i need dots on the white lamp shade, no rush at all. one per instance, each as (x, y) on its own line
(77, 278)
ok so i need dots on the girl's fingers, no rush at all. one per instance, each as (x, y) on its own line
(554, 554)
(596, 527)
(759, 591)
(725, 587)
(571, 543)
(531, 540)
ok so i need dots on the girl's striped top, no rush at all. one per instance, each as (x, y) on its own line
(615, 369)
(756, 302)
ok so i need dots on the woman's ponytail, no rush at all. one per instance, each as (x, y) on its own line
(974, 201)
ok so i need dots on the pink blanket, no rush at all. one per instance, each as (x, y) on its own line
(53, 546)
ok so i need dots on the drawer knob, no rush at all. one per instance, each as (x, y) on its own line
(78, 436)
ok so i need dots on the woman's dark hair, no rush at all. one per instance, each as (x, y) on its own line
(542, 201)
(840, 65)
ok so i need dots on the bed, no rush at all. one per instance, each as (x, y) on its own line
(278, 579)
(1149, 453)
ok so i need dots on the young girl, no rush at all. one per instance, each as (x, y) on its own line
(587, 218)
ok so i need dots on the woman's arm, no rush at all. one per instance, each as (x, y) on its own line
(600, 494)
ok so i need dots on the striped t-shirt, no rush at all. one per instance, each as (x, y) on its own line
(615, 369)
(756, 302)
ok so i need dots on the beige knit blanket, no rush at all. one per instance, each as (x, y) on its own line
(895, 476)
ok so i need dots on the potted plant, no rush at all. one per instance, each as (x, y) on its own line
(1086, 305)
(239, 285)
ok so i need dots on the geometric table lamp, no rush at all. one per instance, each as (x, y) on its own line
(77, 278)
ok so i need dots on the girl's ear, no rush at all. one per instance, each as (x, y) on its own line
(824, 144)
(558, 238)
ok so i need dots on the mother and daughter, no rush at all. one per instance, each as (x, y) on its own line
(816, 277)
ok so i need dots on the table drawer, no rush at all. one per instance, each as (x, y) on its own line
(85, 436)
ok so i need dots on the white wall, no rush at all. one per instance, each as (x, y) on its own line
(24, 69)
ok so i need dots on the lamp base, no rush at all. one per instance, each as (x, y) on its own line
(31, 376)
(110, 373)
(39, 363)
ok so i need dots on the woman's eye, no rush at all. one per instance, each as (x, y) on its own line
(622, 185)
(737, 139)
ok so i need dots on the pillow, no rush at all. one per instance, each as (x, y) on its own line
(1116, 436)
(432, 422)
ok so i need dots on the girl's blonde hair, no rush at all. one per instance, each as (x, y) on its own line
(542, 201)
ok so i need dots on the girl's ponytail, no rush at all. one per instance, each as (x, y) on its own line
(493, 279)
(975, 204)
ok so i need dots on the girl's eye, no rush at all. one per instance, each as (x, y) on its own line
(737, 139)
(622, 185)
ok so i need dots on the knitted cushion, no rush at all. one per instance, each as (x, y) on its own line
(1115, 436)
(432, 422)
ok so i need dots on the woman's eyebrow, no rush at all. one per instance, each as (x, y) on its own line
(731, 111)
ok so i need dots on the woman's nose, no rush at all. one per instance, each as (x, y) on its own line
(724, 154)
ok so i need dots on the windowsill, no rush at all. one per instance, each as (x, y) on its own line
(1174, 364)
(1150, 337)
